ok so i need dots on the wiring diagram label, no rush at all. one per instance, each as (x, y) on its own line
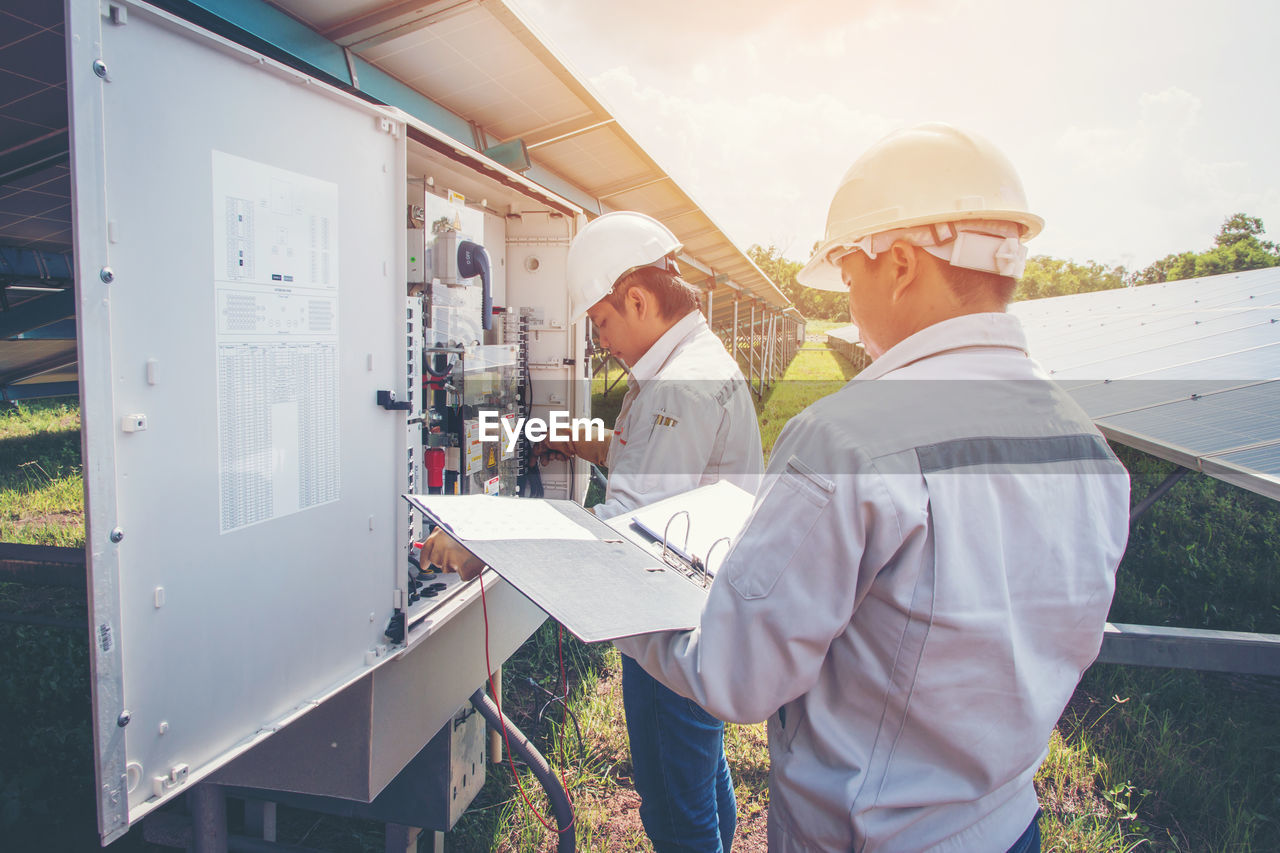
(275, 256)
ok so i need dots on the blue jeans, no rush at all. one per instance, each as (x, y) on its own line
(1030, 840)
(678, 763)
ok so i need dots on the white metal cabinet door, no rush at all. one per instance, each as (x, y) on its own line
(241, 300)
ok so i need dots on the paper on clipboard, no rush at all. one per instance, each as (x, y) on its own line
(694, 523)
(489, 517)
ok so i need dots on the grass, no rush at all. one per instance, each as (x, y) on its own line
(816, 330)
(1142, 759)
(813, 374)
(598, 778)
(41, 491)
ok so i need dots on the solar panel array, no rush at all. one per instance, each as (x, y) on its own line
(35, 184)
(1187, 370)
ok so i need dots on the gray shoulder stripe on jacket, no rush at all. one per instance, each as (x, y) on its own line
(1038, 450)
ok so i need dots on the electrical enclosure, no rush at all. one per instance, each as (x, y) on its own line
(262, 328)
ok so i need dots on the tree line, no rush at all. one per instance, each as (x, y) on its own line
(1239, 245)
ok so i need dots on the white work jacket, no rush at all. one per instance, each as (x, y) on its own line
(687, 420)
(925, 576)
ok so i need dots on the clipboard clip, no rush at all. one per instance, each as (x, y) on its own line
(706, 563)
(668, 556)
(699, 569)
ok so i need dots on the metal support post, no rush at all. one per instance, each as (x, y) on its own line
(770, 349)
(751, 351)
(398, 838)
(208, 804)
(495, 736)
(759, 335)
(766, 347)
(260, 819)
(736, 299)
(773, 347)
(1159, 492)
(777, 346)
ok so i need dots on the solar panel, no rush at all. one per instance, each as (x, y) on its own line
(1209, 424)
(1101, 399)
(1182, 370)
(35, 187)
(1265, 460)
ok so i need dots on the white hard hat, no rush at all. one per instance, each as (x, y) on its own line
(609, 248)
(924, 176)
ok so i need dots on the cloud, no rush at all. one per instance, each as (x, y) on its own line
(1137, 192)
(1131, 141)
(669, 34)
(764, 165)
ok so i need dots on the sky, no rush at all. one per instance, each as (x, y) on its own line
(1137, 126)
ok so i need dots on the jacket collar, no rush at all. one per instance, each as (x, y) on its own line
(652, 362)
(969, 330)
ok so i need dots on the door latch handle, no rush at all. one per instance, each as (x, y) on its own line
(388, 401)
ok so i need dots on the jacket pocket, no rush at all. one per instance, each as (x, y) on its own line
(785, 725)
(780, 525)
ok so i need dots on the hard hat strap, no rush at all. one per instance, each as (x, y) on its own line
(986, 246)
(983, 252)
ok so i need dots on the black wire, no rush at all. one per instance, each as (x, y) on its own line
(442, 374)
(555, 699)
(531, 482)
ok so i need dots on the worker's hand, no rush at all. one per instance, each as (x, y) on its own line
(590, 449)
(547, 450)
(444, 552)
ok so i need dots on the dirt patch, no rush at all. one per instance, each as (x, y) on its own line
(623, 808)
(59, 519)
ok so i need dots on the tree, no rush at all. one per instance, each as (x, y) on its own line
(1240, 227)
(1045, 276)
(813, 304)
(1168, 268)
(1238, 246)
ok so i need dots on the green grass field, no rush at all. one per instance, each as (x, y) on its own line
(1143, 759)
(41, 493)
(817, 329)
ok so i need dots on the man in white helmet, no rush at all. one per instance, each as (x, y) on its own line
(930, 561)
(686, 420)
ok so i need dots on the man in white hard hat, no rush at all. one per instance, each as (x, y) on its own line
(686, 420)
(931, 557)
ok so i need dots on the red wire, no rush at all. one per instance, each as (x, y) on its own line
(564, 706)
(484, 608)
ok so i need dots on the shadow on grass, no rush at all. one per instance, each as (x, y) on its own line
(32, 461)
(46, 755)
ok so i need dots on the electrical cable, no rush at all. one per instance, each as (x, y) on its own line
(559, 798)
(443, 373)
(542, 712)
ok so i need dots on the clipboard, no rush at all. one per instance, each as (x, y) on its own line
(696, 528)
(599, 581)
